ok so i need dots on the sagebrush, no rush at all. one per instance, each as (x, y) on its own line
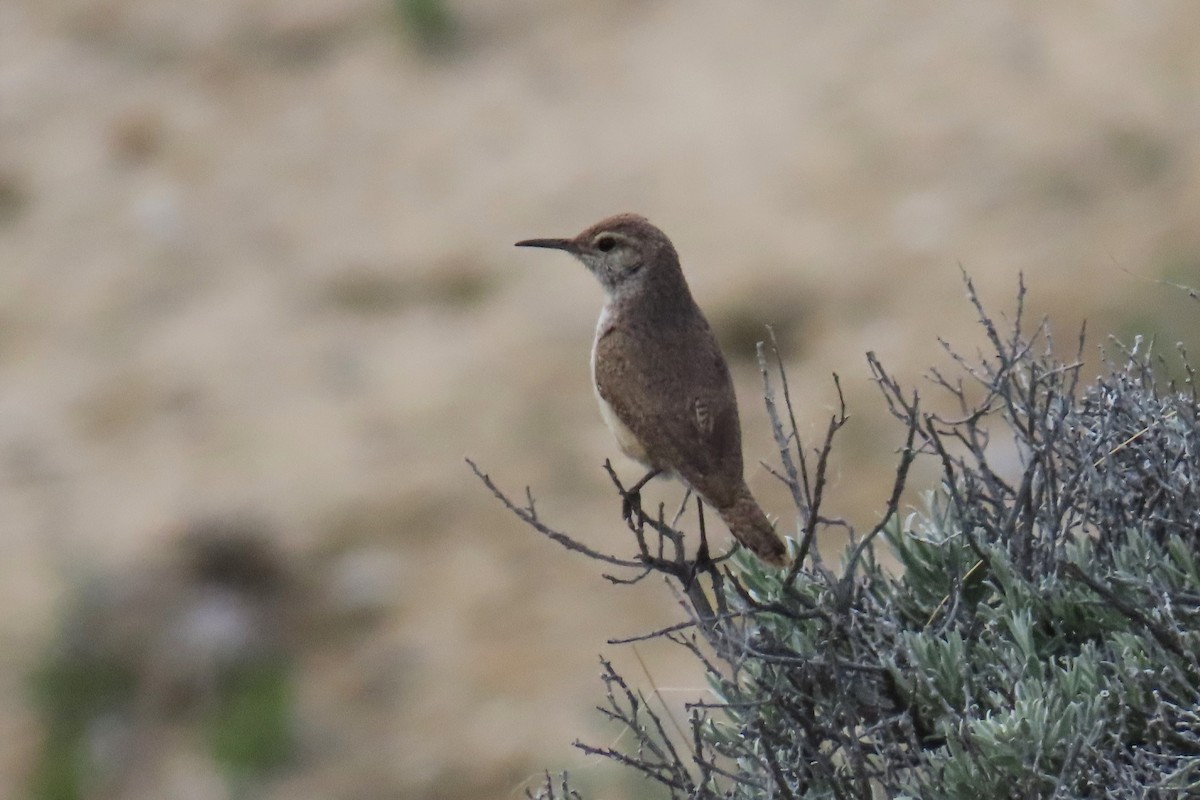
(1041, 640)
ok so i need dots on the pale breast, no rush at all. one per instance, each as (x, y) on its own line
(629, 443)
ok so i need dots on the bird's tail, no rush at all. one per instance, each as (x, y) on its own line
(750, 526)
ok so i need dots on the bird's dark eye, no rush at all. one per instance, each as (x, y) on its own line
(605, 243)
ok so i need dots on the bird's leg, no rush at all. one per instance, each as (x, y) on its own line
(703, 559)
(687, 493)
(632, 497)
(702, 556)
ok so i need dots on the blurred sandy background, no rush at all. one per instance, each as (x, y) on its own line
(257, 278)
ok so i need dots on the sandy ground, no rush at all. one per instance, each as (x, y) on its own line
(255, 259)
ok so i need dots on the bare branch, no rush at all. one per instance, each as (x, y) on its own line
(528, 516)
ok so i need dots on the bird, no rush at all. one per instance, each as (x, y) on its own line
(662, 382)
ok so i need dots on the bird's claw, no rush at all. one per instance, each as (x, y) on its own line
(631, 503)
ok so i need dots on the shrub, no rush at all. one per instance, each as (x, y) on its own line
(1042, 639)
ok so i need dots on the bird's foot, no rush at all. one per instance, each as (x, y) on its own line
(631, 504)
(631, 498)
(703, 558)
(702, 563)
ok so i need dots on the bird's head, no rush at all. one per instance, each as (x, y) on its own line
(624, 252)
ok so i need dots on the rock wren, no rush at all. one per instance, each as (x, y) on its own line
(661, 380)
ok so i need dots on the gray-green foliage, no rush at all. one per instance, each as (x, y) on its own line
(430, 22)
(155, 662)
(1042, 639)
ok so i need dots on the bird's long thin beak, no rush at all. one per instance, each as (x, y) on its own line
(553, 244)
